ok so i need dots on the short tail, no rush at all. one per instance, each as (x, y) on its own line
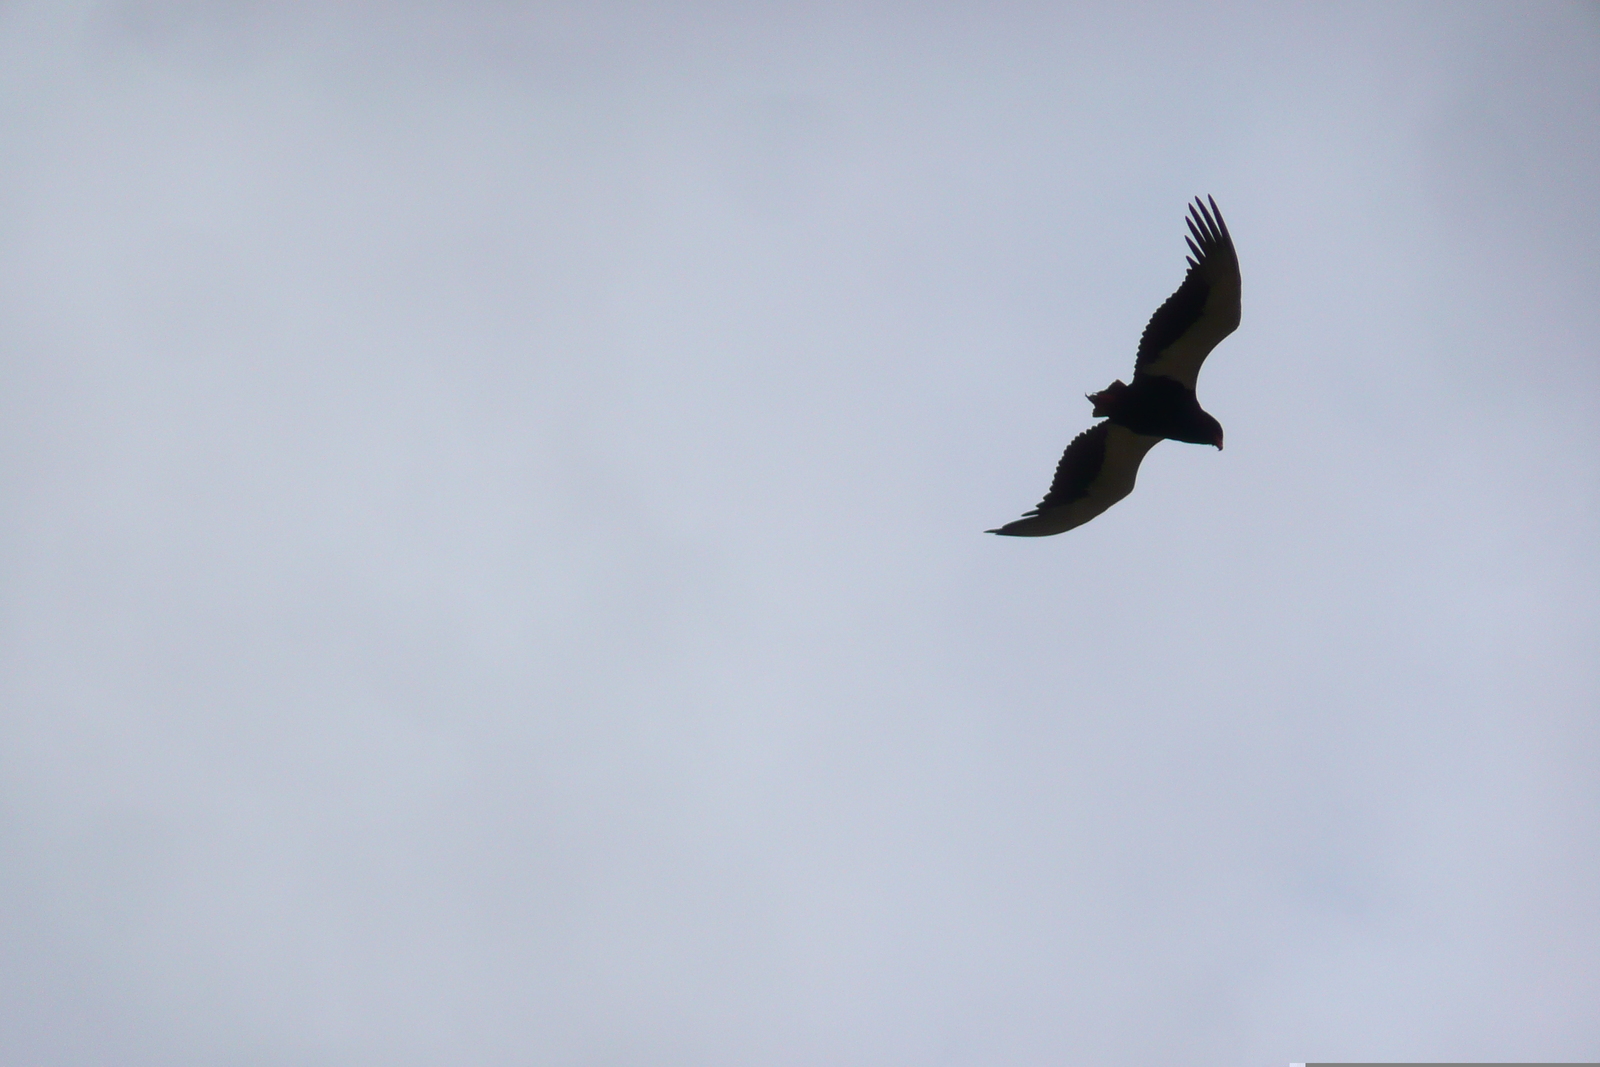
(1107, 400)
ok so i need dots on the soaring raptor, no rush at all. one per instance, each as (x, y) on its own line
(1100, 465)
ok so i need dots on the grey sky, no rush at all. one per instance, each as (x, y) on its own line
(491, 552)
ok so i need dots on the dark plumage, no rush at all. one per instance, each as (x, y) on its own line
(1100, 465)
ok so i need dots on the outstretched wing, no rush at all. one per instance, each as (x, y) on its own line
(1097, 470)
(1203, 311)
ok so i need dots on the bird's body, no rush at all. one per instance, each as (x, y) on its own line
(1158, 406)
(1100, 465)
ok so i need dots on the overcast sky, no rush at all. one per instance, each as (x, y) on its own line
(491, 555)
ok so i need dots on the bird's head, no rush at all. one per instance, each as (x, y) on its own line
(1202, 431)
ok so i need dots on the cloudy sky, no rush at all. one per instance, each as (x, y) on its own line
(491, 555)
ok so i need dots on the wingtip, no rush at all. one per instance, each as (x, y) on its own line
(1215, 214)
(1205, 223)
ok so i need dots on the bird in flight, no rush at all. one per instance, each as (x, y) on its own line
(1100, 465)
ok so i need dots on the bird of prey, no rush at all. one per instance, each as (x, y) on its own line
(1100, 465)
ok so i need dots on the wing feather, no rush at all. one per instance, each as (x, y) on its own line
(1098, 469)
(1204, 310)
